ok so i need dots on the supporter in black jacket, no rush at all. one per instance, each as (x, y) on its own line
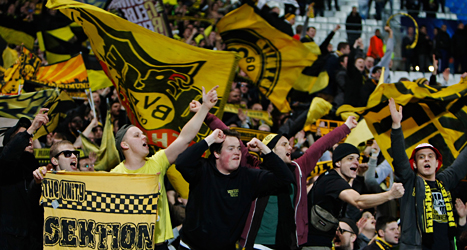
(18, 162)
(221, 192)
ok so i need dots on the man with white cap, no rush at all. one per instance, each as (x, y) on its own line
(426, 210)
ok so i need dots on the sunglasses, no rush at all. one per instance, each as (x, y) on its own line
(67, 153)
(342, 231)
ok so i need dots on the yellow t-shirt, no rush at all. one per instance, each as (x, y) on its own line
(158, 163)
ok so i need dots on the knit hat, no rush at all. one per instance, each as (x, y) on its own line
(351, 224)
(119, 138)
(343, 150)
(22, 123)
(271, 140)
(426, 145)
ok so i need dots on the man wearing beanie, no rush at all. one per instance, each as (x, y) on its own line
(427, 210)
(346, 235)
(280, 221)
(332, 190)
(133, 148)
(18, 162)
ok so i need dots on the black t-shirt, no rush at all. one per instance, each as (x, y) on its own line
(440, 220)
(325, 193)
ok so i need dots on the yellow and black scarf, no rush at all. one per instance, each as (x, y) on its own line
(428, 211)
(383, 245)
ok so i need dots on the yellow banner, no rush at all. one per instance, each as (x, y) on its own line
(272, 59)
(430, 115)
(70, 74)
(89, 211)
(256, 114)
(247, 134)
(155, 76)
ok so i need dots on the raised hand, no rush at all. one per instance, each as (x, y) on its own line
(256, 145)
(210, 98)
(194, 106)
(217, 136)
(461, 208)
(395, 115)
(351, 122)
(40, 119)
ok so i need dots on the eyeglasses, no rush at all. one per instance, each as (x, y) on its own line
(342, 231)
(67, 153)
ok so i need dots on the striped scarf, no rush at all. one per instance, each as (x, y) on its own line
(428, 215)
(383, 245)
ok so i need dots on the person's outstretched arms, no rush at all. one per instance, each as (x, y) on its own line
(362, 201)
(310, 158)
(190, 129)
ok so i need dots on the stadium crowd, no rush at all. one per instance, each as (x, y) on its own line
(362, 203)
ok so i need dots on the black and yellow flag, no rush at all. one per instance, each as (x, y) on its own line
(58, 104)
(70, 75)
(272, 59)
(24, 105)
(156, 77)
(24, 69)
(430, 115)
(89, 211)
(107, 154)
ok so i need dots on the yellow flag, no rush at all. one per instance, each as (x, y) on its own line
(107, 154)
(24, 69)
(272, 59)
(156, 77)
(70, 74)
(430, 115)
(98, 79)
(24, 105)
(89, 211)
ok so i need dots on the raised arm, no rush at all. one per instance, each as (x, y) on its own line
(20, 141)
(400, 160)
(456, 172)
(370, 179)
(362, 201)
(190, 129)
(310, 158)
(188, 162)
(278, 174)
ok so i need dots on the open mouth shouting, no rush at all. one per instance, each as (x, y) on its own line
(74, 165)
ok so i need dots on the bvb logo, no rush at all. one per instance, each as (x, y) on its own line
(261, 59)
(154, 92)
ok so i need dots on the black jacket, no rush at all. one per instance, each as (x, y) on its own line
(219, 204)
(15, 207)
